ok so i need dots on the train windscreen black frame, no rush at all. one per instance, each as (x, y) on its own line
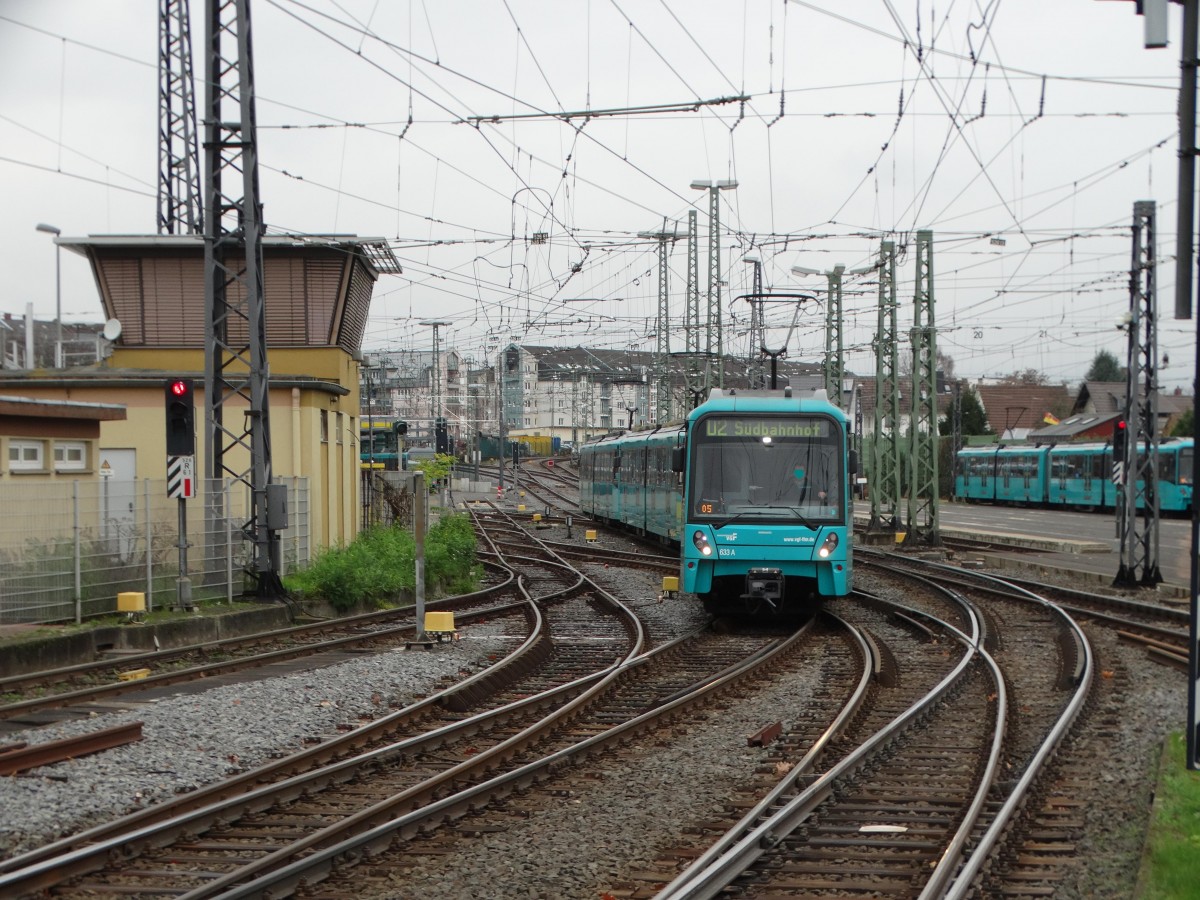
(767, 468)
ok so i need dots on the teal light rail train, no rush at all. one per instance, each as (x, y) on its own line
(1067, 476)
(379, 445)
(754, 488)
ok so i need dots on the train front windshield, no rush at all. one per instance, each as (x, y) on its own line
(770, 468)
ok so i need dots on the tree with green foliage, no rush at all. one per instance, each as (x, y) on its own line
(1185, 426)
(974, 419)
(1105, 367)
(436, 469)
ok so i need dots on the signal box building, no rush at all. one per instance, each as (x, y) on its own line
(317, 295)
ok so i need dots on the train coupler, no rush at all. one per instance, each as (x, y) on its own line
(764, 584)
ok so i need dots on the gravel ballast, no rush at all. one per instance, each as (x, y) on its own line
(593, 837)
(190, 740)
(194, 739)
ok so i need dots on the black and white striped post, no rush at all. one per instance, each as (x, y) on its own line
(181, 485)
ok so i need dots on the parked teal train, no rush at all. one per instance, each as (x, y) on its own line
(754, 488)
(1071, 476)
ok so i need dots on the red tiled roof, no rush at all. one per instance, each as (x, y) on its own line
(1015, 406)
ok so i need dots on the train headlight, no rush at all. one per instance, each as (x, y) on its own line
(700, 539)
(828, 545)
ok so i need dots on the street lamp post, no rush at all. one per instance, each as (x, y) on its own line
(834, 366)
(58, 338)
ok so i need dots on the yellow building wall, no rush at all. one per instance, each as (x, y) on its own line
(297, 448)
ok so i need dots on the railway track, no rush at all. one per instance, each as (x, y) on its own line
(91, 688)
(933, 773)
(958, 795)
(1162, 630)
(410, 785)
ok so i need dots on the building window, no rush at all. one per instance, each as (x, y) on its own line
(70, 456)
(324, 426)
(25, 456)
(337, 426)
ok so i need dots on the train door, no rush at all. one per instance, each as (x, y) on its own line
(1091, 480)
(1060, 478)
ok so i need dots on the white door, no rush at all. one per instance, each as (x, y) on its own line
(118, 500)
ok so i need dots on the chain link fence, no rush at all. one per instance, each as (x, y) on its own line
(68, 548)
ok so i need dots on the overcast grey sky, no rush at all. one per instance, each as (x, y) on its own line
(1020, 132)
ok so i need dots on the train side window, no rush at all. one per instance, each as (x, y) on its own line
(1166, 466)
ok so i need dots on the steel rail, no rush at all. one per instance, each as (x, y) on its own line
(960, 866)
(458, 604)
(274, 869)
(13, 683)
(33, 755)
(87, 851)
(715, 875)
(191, 673)
(727, 843)
(963, 884)
(320, 862)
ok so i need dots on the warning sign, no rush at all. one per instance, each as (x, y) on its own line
(181, 477)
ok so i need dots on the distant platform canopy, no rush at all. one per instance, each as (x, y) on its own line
(317, 289)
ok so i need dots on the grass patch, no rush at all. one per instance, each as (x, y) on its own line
(381, 563)
(1171, 866)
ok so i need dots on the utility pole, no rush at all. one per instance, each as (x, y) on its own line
(956, 435)
(1156, 23)
(758, 337)
(1138, 503)
(923, 433)
(692, 309)
(502, 450)
(884, 483)
(834, 367)
(663, 328)
(714, 345)
(1183, 310)
(856, 490)
(179, 194)
(437, 368)
(236, 370)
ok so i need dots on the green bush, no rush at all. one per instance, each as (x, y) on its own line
(382, 562)
(450, 562)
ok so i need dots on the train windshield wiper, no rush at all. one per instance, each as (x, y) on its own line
(804, 520)
(732, 518)
(755, 510)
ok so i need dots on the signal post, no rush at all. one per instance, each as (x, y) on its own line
(181, 471)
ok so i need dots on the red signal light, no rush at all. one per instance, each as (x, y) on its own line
(1120, 424)
(179, 388)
